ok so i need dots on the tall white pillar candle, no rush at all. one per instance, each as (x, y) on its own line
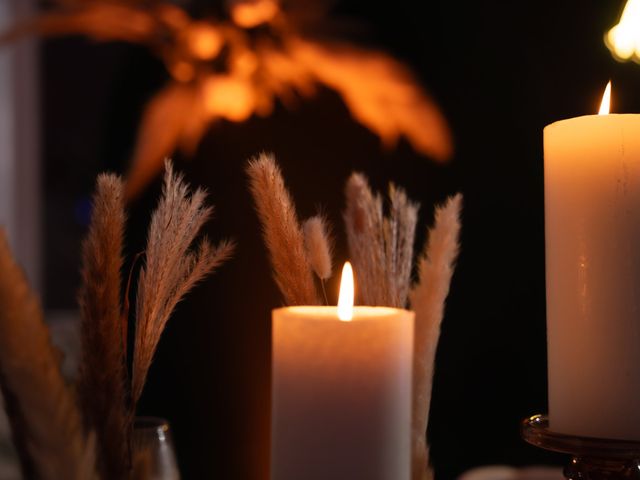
(592, 220)
(341, 394)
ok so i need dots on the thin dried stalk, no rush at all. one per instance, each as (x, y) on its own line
(364, 224)
(44, 411)
(427, 300)
(103, 375)
(282, 232)
(171, 269)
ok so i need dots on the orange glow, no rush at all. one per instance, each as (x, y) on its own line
(624, 39)
(345, 299)
(229, 97)
(203, 40)
(182, 71)
(605, 107)
(249, 14)
(245, 63)
(172, 16)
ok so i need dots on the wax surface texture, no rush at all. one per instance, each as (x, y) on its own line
(341, 394)
(592, 223)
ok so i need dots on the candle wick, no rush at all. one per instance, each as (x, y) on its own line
(324, 292)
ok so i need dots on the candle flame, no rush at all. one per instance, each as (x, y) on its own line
(624, 39)
(345, 299)
(606, 101)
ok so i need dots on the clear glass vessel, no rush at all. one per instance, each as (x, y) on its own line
(153, 454)
(591, 458)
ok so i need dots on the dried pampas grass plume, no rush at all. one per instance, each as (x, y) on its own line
(45, 420)
(319, 249)
(427, 300)
(103, 376)
(381, 247)
(319, 246)
(282, 232)
(364, 224)
(399, 235)
(172, 268)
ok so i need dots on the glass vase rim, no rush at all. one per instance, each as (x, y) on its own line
(535, 431)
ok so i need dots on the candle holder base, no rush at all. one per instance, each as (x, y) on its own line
(591, 458)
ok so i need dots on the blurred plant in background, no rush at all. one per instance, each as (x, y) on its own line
(623, 40)
(236, 67)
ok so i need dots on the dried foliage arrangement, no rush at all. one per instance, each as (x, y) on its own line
(381, 248)
(88, 436)
(234, 67)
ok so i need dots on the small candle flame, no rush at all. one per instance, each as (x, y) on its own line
(345, 299)
(606, 101)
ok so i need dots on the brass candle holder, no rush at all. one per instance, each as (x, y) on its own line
(591, 458)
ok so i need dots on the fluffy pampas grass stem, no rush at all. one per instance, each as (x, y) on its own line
(282, 232)
(381, 247)
(319, 248)
(399, 236)
(364, 221)
(45, 420)
(103, 377)
(427, 300)
(172, 267)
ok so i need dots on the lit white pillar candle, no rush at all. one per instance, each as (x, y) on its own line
(341, 392)
(592, 220)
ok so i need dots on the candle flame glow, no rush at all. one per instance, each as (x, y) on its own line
(624, 39)
(345, 299)
(606, 101)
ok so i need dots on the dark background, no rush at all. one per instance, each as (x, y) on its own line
(500, 71)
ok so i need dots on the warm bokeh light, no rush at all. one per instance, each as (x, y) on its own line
(605, 105)
(182, 71)
(345, 299)
(624, 39)
(203, 40)
(251, 13)
(228, 97)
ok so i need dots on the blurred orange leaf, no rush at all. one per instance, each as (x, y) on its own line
(161, 131)
(103, 21)
(380, 93)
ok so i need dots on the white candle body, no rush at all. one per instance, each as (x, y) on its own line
(341, 394)
(592, 221)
